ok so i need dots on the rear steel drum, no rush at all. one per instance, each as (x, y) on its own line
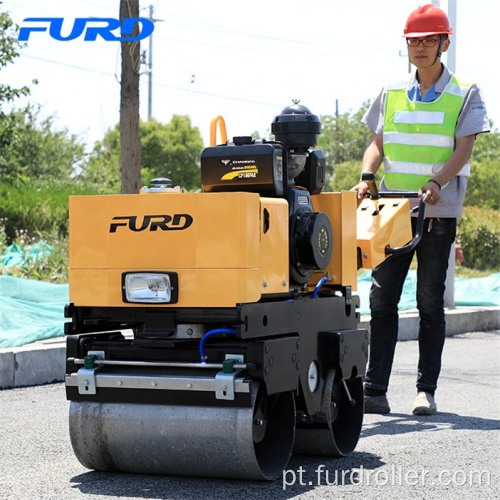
(337, 432)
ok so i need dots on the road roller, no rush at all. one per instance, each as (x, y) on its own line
(216, 333)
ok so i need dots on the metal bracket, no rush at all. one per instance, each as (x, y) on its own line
(225, 380)
(86, 376)
(224, 385)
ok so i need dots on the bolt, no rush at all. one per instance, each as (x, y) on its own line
(259, 421)
(189, 385)
(119, 382)
(154, 384)
(189, 331)
(266, 284)
(285, 283)
(86, 382)
(224, 388)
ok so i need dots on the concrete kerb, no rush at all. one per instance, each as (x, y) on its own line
(33, 364)
(45, 361)
(458, 320)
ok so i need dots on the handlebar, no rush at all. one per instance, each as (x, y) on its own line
(418, 234)
(375, 194)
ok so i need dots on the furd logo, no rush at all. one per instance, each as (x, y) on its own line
(92, 26)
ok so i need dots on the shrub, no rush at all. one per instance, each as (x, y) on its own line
(478, 232)
(37, 206)
(32, 257)
(347, 174)
(483, 186)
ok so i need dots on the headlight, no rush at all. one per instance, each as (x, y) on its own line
(150, 288)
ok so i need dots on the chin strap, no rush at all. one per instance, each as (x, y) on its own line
(442, 38)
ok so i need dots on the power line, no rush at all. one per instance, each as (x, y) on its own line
(92, 70)
(150, 65)
(164, 85)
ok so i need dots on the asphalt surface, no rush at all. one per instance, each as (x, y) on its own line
(451, 455)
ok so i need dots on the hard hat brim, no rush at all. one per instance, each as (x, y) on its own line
(426, 33)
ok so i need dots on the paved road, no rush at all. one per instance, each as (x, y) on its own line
(452, 455)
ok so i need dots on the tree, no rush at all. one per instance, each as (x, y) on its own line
(168, 150)
(483, 186)
(130, 152)
(487, 146)
(344, 139)
(9, 50)
(32, 149)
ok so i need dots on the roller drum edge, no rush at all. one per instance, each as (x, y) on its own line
(339, 435)
(182, 440)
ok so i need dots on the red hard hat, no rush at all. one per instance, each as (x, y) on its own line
(427, 20)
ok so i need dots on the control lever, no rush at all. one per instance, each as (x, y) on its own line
(369, 178)
(418, 234)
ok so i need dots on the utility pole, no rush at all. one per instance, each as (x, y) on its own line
(149, 71)
(452, 51)
(452, 16)
(449, 294)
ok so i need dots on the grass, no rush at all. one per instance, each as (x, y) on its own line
(462, 271)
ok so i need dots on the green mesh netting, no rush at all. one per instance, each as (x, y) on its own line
(30, 310)
(467, 292)
(34, 310)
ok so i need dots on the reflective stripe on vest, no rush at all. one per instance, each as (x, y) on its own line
(419, 137)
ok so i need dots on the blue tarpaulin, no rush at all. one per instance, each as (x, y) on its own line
(15, 255)
(468, 292)
(30, 310)
(34, 310)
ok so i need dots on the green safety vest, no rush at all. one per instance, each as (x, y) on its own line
(420, 136)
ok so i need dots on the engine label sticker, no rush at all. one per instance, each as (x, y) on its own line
(241, 169)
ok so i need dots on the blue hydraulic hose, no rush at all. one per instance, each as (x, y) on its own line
(212, 332)
(318, 286)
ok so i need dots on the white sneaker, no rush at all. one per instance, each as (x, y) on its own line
(424, 404)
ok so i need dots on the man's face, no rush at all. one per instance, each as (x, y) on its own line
(423, 50)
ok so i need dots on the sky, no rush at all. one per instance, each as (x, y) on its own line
(245, 61)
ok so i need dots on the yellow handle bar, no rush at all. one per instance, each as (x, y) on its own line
(213, 130)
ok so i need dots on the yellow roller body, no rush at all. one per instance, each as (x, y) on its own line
(208, 239)
(341, 209)
(214, 334)
(382, 222)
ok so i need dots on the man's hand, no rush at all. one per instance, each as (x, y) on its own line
(360, 189)
(432, 193)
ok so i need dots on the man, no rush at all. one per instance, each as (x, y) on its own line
(424, 133)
